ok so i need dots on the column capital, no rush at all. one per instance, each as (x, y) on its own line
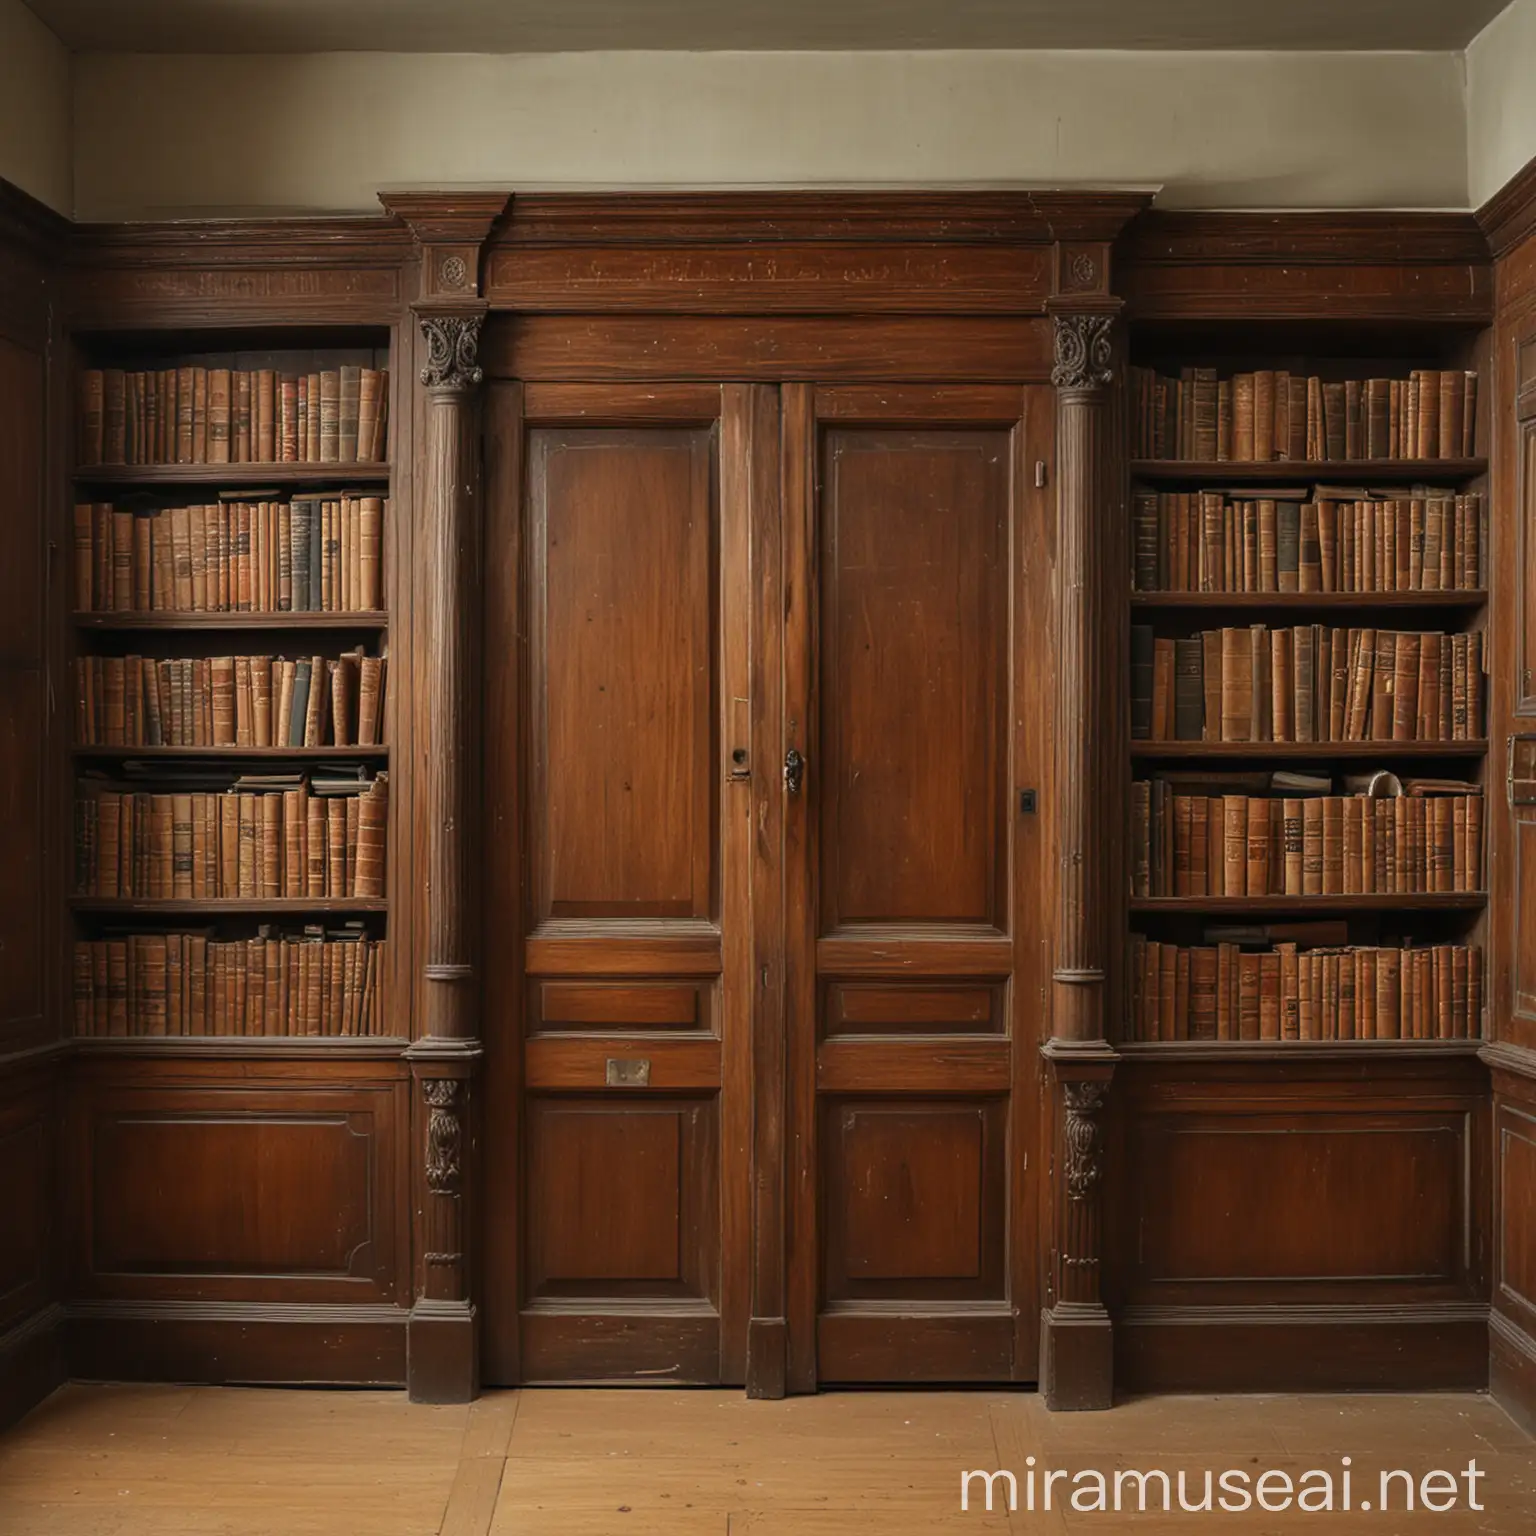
(453, 346)
(1084, 345)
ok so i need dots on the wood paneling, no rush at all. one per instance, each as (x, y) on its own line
(23, 845)
(196, 1193)
(26, 1211)
(188, 1187)
(914, 1200)
(1298, 1199)
(913, 630)
(623, 680)
(1515, 1238)
(877, 1008)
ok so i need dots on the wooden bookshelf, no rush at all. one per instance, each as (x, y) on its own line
(349, 548)
(1171, 614)
(1307, 602)
(1300, 906)
(233, 477)
(226, 906)
(1303, 471)
(1387, 752)
(232, 754)
(356, 622)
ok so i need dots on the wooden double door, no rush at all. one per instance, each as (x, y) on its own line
(768, 679)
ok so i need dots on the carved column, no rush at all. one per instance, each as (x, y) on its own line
(443, 1339)
(1076, 1362)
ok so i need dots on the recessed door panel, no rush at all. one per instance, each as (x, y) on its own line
(623, 672)
(914, 615)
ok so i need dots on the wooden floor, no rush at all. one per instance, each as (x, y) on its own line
(160, 1461)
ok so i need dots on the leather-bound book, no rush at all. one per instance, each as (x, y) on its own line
(1226, 991)
(1389, 997)
(1459, 702)
(370, 706)
(1308, 998)
(1189, 689)
(90, 446)
(1405, 688)
(1296, 417)
(1288, 547)
(370, 380)
(1243, 417)
(114, 407)
(1474, 874)
(1264, 414)
(335, 847)
(1428, 437)
(1469, 415)
(1269, 996)
(1310, 560)
(1223, 420)
(315, 847)
(1377, 419)
(348, 412)
(1383, 680)
(1282, 686)
(1286, 959)
(1249, 983)
(317, 704)
(1181, 994)
(1333, 420)
(1259, 684)
(1141, 838)
(1354, 419)
(1212, 642)
(295, 840)
(1303, 720)
(1474, 687)
(1202, 992)
(1474, 993)
(1333, 845)
(1317, 431)
(272, 837)
(288, 420)
(1280, 442)
(1235, 845)
(264, 442)
(1199, 845)
(1162, 689)
(1144, 537)
(1256, 875)
(330, 416)
(1268, 562)
(1451, 418)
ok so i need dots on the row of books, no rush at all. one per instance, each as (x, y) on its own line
(310, 555)
(1318, 845)
(195, 415)
(312, 983)
(229, 701)
(1272, 414)
(1226, 992)
(1218, 541)
(269, 836)
(1310, 683)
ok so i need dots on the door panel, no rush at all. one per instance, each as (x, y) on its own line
(622, 676)
(631, 1257)
(914, 958)
(913, 619)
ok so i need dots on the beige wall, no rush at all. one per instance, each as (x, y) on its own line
(34, 107)
(166, 134)
(1501, 99)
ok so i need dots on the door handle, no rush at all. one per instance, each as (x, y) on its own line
(794, 771)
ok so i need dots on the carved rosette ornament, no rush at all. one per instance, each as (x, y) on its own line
(445, 1135)
(453, 347)
(1084, 351)
(1084, 1164)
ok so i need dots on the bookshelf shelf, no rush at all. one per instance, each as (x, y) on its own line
(226, 906)
(235, 476)
(232, 754)
(1290, 602)
(1276, 906)
(1361, 1051)
(232, 621)
(1303, 751)
(243, 1047)
(1301, 471)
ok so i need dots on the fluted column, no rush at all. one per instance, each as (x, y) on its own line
(444, 1334)
(1076, 1340)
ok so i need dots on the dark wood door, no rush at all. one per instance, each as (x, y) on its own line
(917, 528)
(618, 942)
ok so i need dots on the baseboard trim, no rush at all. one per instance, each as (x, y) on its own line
(236, 1342)
(1302, 1348)
(31, 1363)
(1512, 1369)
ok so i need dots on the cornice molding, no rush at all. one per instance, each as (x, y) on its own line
(365, 241)
(880, 218)
(447, 218)
(1509, 216)
(1341, 238)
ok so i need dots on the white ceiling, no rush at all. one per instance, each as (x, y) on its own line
(551, 26)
